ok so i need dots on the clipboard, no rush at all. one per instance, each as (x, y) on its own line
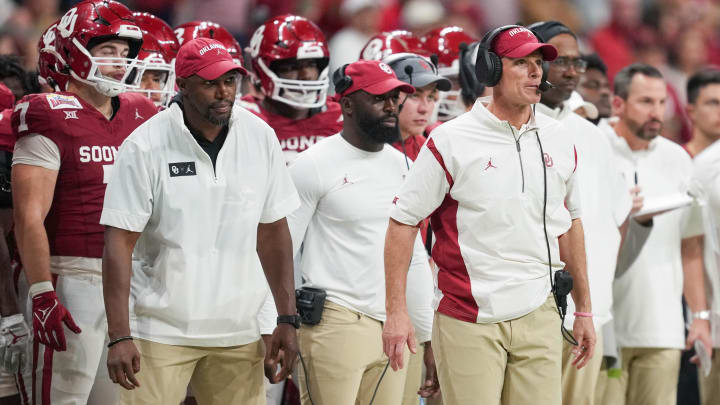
(665, 203)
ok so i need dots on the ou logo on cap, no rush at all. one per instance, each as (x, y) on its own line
(385, 68)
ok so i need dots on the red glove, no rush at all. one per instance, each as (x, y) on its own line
(48, 316)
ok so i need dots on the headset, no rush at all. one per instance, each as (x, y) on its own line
(341, 81)
(470, 87)
(488, 66)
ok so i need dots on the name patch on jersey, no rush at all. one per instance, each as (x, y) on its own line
(182, 169)
(58, 101)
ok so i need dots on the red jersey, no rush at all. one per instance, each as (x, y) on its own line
(297, 135)
(88, 143)
(412, 146)
(7, 136)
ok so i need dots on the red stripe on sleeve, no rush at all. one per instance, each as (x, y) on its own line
(575, 152)
(431, 145)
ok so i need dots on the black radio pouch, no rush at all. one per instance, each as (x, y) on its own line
(310, 303)
(562, 287)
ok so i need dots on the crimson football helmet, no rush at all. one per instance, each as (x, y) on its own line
(389, 43)
(50, 63)
(155, 58)
(159, 29)
(91, 23)
(208, 29)
(290, 37)
(158, 51)
(445, 43)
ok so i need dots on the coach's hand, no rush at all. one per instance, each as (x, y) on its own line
(283, 351)
(48, 318)
(584, 333)
(397, 332)
(123, 363)
(270, 363)
(431, 386)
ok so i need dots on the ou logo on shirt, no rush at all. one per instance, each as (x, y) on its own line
(548, 160)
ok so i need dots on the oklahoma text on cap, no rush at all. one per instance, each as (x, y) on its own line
(205, 57)
(520, 42)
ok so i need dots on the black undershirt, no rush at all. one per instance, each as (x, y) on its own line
(212, 148)
(115, 103)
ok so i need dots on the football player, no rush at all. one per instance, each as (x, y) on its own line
(290, 60)
(158, 51)
(63, 157)
(444, 42)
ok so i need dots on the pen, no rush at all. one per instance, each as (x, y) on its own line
(636, 177)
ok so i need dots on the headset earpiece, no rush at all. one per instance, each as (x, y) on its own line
(488, 66)
(341, 81)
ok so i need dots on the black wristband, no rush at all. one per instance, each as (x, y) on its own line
(118, 340)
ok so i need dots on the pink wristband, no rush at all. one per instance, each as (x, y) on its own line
(583, 314)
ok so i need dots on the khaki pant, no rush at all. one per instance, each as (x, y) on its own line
(514, 362)
(578, 386)
(345, 360)
(710, 385)
(217, 375)
(650, 375)
(609, 389)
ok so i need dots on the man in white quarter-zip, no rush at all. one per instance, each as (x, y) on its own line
(605, 198)
(648, 313)
(201, 192)
(480, 177)
(346, 184)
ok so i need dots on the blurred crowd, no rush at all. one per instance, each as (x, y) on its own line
(676, 36)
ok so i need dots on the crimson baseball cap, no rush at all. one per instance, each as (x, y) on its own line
(520, 42)
(205, 57)
(374, 77)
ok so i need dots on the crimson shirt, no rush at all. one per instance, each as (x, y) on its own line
(7, 137)
(88, 143)
(296, 136)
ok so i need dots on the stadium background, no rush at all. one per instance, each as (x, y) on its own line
(676, 36)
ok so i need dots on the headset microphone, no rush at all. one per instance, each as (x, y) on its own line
(545, 86)
(409, 71)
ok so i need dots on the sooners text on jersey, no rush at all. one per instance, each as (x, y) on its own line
(297, 135)
(88, 143)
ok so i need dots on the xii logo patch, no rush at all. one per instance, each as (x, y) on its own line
(72, 114)
(182, 169)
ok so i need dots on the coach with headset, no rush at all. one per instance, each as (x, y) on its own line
(499, 185)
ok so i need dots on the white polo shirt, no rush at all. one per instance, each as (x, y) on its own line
(197, 279)
(605, 201)
(647, 297)
(346, 195)
(481, 182)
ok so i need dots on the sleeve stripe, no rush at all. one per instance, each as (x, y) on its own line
(431, 145)
(575, 152)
